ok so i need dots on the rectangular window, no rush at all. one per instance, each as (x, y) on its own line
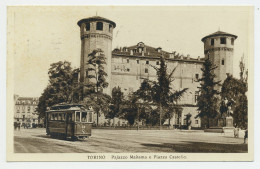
(196, 121)
(110, 28)
(88, 27)
(196, 96)
(127, 60)
(77, 116)
(137, 61)
(212, 42)
(222, 40)
(232, 41)
(146, 70)
(197, 76)
(147, 62)
(157, 62)
(128, 69)
(55, 116)
(222, 62)
(90, 117)
(84, 117)
(52, 116)
(99, 26)
(59, 116)
(70, 117)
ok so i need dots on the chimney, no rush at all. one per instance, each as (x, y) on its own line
(171, 55)
(188, 56)
(198, 57)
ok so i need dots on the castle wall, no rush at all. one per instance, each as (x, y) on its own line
(129, 75)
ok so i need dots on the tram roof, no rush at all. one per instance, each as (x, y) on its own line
(64, 107)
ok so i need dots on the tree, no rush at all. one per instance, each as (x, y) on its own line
(129, 110)
(117, 101)
(208, 100)
(59, 88)
(236, 89)
(94, 95)
(160, 92)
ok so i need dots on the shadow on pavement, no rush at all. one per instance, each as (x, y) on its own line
(199, 147)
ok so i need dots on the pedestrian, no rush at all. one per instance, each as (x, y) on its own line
(236, 132)
(246, 136)
(19, 126)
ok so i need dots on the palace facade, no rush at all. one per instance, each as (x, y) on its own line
(127, 67)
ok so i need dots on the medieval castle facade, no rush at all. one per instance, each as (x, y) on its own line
(128, 66)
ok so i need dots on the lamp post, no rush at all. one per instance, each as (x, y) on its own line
(138, 102)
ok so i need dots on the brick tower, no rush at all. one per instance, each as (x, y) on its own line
(219, 46)
(96, 33)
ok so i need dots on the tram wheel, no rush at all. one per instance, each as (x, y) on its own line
(74, 138)
(84, 138)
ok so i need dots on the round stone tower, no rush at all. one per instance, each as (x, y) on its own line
(96, 33)
(219, 47)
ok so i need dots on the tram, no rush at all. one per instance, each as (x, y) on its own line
(69, 121)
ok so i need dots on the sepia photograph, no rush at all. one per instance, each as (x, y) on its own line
(130, 83)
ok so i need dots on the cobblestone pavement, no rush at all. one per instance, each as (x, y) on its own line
(130, 141)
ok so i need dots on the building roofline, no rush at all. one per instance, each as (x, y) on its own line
(153, 57)
(96, 18)
(218, 34)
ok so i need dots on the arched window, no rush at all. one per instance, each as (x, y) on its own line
(87, 26)
(99, 26)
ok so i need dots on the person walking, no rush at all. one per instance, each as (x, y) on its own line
(236, 132)
(246, 136)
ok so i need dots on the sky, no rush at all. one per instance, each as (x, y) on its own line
(39, 36)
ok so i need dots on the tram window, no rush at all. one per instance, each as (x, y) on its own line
(77, 116)
(55, 116)
(63, 117)
(52, 116)
(59, 116)
(69, 117)
(84, 117)
(90, 117)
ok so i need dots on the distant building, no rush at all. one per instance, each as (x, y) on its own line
(127, 67)
(25, 110)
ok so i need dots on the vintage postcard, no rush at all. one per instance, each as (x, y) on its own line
(130, 83)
